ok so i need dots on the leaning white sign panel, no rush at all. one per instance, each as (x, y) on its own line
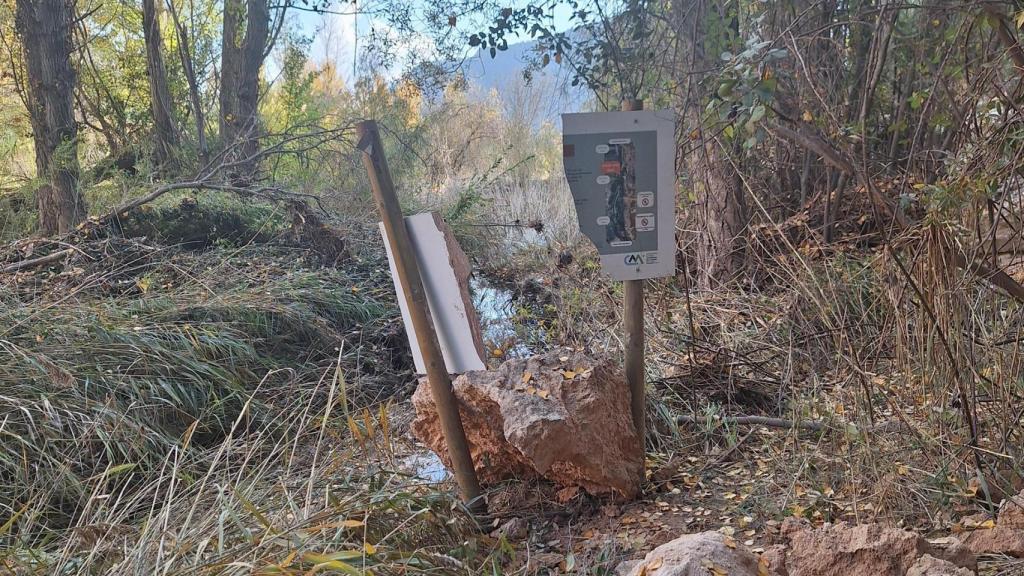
(621, 171)
(444, 269)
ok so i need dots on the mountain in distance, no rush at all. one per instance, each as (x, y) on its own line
(504, 73)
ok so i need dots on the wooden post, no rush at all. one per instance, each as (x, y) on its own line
(412, 284)
(633, 322)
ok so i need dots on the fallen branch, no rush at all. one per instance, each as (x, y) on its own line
(994, 275)
(819, 146)
(756, 421)
(1006, 35)
(33, 262)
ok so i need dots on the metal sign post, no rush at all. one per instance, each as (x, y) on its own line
(412, 286)
(633, 323)
(620, 167)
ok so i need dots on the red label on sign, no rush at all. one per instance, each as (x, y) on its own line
(610, 167)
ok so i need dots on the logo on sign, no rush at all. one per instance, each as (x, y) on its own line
(634, 259)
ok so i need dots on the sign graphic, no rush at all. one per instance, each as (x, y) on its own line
(621, 170)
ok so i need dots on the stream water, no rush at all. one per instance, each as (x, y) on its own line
(504, 327)
(427, 466)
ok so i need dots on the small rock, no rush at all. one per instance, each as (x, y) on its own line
(929, 565)
(564, 420)
(625, 567)
(1006, 537)
(953, 551)
(1011, 512)
(514, 529)
(698, 555)
(611, 510)
(774, 558)
(855, 550)
(545, 560)
(998, 540)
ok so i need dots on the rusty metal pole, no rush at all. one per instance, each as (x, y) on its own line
(412, 284)
(633, 322)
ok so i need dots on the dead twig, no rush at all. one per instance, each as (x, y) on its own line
(40, 261)
(757, 421)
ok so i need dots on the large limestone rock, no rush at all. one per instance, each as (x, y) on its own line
(699, 555)
(563, 416)
(855, 550)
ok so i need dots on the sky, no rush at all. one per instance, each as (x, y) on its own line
(339, 35)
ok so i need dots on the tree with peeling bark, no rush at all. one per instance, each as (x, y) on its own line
(45, 29)
(709, 169)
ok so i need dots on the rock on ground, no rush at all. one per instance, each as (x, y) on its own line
(563, 416)
(929, 565)
(514, 529)
(624, 568)
(698, 555)
(856, 550)
(774, 559)
(1006, 537)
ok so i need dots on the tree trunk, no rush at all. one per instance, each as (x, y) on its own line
(240, 73)
(45, 30)
(257, 33)
(230, 69)
(719, 211)
(166, 139)
(193, 84)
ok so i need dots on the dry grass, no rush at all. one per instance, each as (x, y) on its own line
(175, 412)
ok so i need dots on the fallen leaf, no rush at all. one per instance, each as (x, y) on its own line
(527, 376)
(656, 563)
(288, 559)
(570, 563)
(531, 390)
(566, 494)
(568, 374)
(544, 394)
(713, 568)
